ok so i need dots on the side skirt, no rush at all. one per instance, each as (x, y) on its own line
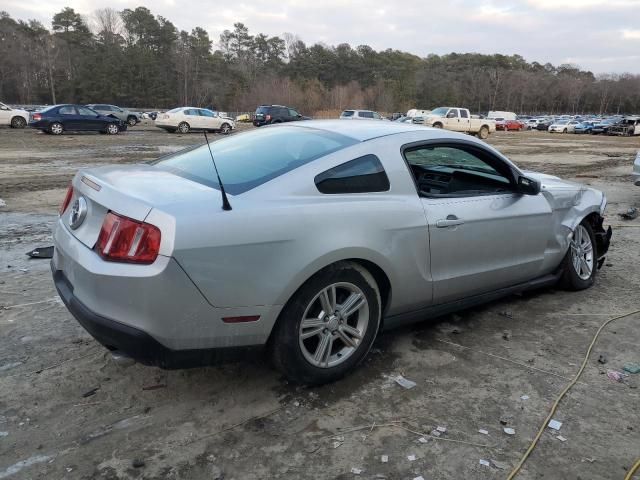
(435, 311)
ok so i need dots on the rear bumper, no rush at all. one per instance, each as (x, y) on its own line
(136, 343)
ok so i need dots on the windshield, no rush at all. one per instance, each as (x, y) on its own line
(248, 160)
(439, 112)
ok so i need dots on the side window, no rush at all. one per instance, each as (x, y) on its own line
(293, 113)
(366, 114)
(191, 112)
(206, 113)
(115, 109)
(68, 110)
(464, 114)
(86, 111)
(362, 175)
(456, 170)
(452, 113)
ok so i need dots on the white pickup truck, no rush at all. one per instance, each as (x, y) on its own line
(459, 120)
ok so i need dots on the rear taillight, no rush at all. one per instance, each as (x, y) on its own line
(37, 117)
(122, 239)
(267, 118)
(67, 200)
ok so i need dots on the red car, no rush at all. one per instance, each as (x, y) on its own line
(509, 125)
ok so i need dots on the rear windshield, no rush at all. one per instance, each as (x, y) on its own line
(174, 110)
(261, 110)
(253, 158)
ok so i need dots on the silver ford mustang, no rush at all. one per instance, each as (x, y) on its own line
(324, 233)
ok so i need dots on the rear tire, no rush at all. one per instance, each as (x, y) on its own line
(18, 122)
(184, 127)
(56, 128)
(437, 125)
(331, 344)
(484, 132)
(579, 266)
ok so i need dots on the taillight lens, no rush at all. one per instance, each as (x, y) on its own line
(267, 118)
(122, 239)
(67, 200)
(37, 117)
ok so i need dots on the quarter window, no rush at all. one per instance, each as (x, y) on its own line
(68, 110)
(362, 175)
(366, 114)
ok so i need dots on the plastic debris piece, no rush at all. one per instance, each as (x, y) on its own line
(423, 440)
(509, 431)
(554, 424)
(441, 429)
(630, 214)
(356, 471)
(404, 382)
(336, 444)
(561, 438)
(602, 359)
(524, 397)
(411, 458)
(384, 458)
(632, 367)
(419, 477)
(486, 463)
(617, 376)
(41, 252)
(435, 433)
(483, 431)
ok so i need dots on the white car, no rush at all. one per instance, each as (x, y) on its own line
(360, 115)
(14, 117)
(636, 170)
(185, 119)
(563, 126)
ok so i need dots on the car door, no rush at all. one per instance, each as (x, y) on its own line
(452, 120)
(69, 117)
(464, 122)
(483, 234)
(193, 118)
(210, 120)
(90, 119)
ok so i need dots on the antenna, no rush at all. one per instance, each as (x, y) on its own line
(225, 201)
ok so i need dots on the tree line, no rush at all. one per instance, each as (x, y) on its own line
(137, 59)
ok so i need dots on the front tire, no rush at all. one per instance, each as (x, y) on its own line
(225, 129)
(328, 326)
(18, 122)
(184, 127)
(579, 264)
(112, 129)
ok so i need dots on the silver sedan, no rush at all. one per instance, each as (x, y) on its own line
(324, 233)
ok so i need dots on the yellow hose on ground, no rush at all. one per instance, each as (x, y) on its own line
(633, 470)
(554, 407)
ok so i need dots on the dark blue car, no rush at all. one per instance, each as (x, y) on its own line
(584, 127)
(76, 118)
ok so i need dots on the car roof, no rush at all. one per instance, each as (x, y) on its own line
(368, 130)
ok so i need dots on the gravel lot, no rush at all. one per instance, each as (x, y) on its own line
(67, 411)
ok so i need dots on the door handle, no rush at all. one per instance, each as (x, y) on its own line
(451, 221)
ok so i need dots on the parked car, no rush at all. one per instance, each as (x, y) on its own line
(460, 120)
(510, 125)
(583, 127)
(150, 115)
(132, 118)
(243, 117)
(14, 117)
(185, 119)
(563, 126)
(628, 126)
(437, 221)
(419, 120)
(636, 170)
(64, 118)
(269, 114)
(603, 126)
(544, 124)
(361, 115)
(532, 123)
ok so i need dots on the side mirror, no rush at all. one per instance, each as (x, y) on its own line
(528, 186)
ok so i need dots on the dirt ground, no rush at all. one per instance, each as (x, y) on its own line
(68, 411)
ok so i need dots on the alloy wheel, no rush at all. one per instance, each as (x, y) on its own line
(582, 252)
(333, 325)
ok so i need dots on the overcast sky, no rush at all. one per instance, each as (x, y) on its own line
(602, 36)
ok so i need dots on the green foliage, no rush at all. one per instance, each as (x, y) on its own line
(138, 59)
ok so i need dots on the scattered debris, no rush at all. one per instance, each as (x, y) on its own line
(524, 397)
(384, 458)
(419, 477)
(561, 438)
(137, 463)
(632, 367)
(423, 440)
(630, 214)
(509, 431)
(506, 335)
(500, 465)
(90, 392)
(483, 431)
(16, 467)
(506, 314)
(356, 471)
(441, 429)
(7, 366)
(617, 376)
(486, 463)
(435, 433)
(3, 203)
(602, 359)
(503, 422)
(555, 424)
(411, 458)
(155, 387)
(336, 444)
(41, 252)
(590, 460)
(404, 382)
